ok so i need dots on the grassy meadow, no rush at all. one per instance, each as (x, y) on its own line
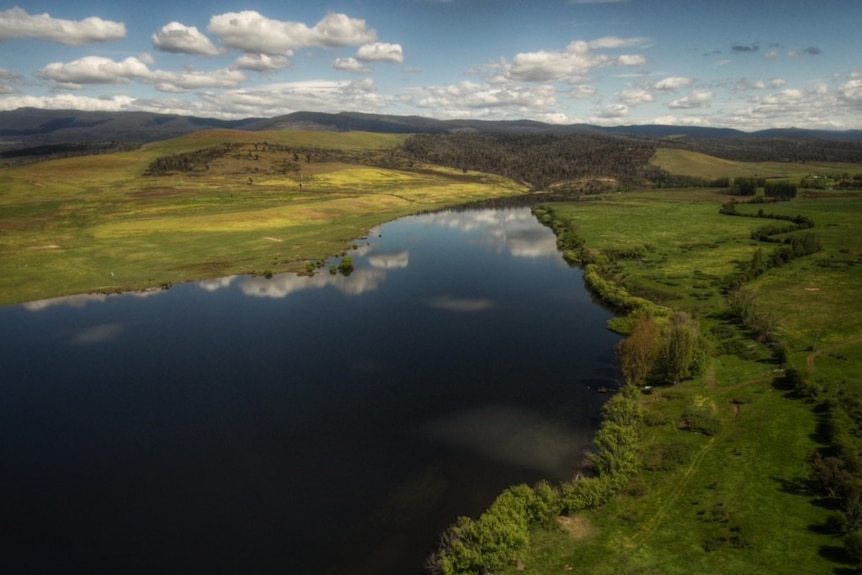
(687, 163)
(99, 223)
(731, 494)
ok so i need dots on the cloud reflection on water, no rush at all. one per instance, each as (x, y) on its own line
(81, 300)
(512, 435)
(391, 261)
(462, 305)
(513, 231)
(97, 334)
(216, 284)
(282, 285)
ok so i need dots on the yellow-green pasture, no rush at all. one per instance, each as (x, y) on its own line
(96, 223)
(694, 164)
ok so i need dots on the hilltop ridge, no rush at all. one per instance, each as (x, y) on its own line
(32, 126)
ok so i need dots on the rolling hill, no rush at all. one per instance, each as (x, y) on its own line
(31, 126)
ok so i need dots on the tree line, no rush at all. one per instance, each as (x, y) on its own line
(540, 160)
(795, 150)
(789, 248)
(27, 155)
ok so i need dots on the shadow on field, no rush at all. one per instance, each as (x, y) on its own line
(796, 486)
(837, 554)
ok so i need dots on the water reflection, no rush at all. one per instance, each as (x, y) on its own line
(455, 304)
(397, 260)
(512, 231)
(81, 300)
(97, 334)
(282, 285)
(216, 284)
(512, 435)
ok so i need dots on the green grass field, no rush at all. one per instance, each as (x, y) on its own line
(688, 163)
(97, 223)
(735, 501)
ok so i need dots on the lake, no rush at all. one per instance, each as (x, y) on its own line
(319, 425)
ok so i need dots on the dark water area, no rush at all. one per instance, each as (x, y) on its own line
(316, 425)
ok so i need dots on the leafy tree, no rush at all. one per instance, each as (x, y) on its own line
(616, 451)
(780, 190)
(744, 187)
(637, 353)
(683, 349)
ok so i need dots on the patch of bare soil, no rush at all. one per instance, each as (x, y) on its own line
(577, 527)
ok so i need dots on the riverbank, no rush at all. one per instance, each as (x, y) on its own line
(722, 477)
(209, 205)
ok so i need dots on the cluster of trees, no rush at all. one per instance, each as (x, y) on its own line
(199, 160)
(541, 160)
(494, 540)
(742, 304)
(616, 296)
(272, 158)
(780, 190)
(824, 181)
(790, 248)
(746, 186)
(667, 350)
(837, 469)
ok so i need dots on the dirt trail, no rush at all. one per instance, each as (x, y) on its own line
(812, 357)
(650, 526)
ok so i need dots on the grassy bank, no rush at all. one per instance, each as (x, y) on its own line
(725, 485)
(721, 479)
(272, 202)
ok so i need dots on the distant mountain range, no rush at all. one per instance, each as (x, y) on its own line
(32, 126)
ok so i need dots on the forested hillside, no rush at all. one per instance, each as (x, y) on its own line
(584, 162)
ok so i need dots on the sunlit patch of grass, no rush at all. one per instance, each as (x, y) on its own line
(695, 164)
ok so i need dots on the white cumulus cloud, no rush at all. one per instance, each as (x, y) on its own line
(94, 70)
(572, 64)
(472, 99)
(697, 99)
(851, 92)
(261, 62)
(181, 39)
(380, 51)
(250, 31)
(617, 42)
(17, 23)
(99, 70)
(635, 97)
(350, 65)
(673, 83)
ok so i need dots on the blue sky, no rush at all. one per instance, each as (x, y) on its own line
(749, 64)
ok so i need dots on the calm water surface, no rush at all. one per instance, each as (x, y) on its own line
(298, 425)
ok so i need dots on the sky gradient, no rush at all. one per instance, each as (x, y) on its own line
(749, 65)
